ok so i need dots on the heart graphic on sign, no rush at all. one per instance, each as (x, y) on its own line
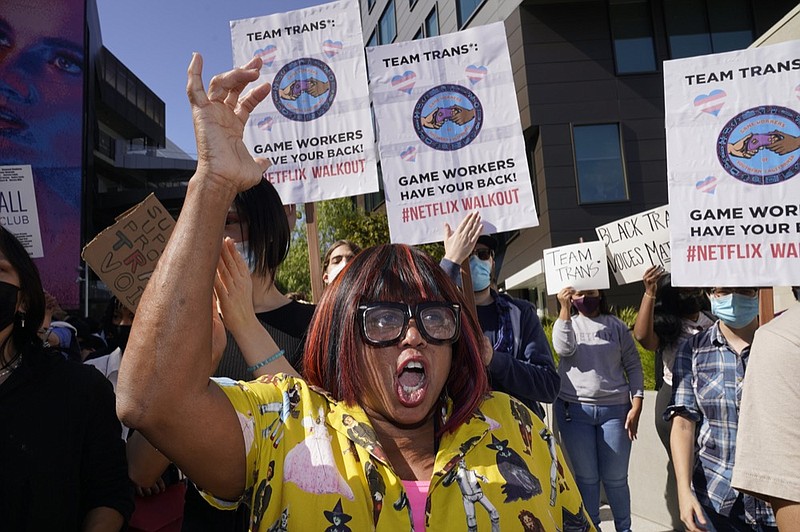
(331, 48)
(409, 154)
(267, 54)
(476, 73)
(797, 92)
(707, 185)
(404, 83)
(712, 102)
(266, 123)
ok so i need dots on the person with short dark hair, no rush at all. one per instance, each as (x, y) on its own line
(520, 362)
(707, 378)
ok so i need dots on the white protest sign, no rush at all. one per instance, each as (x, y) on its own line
(316, 126)
(635, 243)
(18, 212)
(449, 134)
(733, 156)
(582, 266)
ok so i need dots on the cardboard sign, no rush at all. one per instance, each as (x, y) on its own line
(582, 266)
(635, 243)
(18, 212)
(449, 134)
(733, 159)
(125, 254)
(315, 127)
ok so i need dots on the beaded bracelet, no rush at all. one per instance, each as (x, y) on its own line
(266, 361)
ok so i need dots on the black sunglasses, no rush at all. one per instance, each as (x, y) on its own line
(384, 323)
(483, 253)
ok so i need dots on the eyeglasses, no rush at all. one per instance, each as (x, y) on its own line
(384, 323)
(747, 292)
(483, 253)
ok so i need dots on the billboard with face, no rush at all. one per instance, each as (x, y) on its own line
(42, 63)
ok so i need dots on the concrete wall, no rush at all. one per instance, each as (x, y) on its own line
(647, 473)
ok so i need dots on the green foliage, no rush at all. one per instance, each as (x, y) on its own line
(647, 357)
(337, 219)
(628, 316)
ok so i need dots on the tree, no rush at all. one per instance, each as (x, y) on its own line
(337, 219)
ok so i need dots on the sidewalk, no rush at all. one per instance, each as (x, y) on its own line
(638, 524)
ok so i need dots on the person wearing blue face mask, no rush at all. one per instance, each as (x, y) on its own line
(707, 379)
(520, 362)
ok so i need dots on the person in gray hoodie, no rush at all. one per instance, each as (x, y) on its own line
(598, 407)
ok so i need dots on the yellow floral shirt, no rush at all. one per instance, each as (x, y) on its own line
(315, 464)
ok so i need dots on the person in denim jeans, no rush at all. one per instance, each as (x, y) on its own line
(598, 407)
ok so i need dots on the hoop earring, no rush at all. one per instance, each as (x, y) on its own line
(21, 316)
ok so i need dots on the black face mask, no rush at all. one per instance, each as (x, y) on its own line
(8, 304)
(121, 334)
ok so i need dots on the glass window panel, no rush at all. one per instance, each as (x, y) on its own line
(599, 164)
(418, 35)
(387, 25)
(632, 30)
(432, 23)
(687, 28)
(465, 9)
(373, 39)
(731, 24)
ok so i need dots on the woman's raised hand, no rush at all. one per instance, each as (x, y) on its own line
(219, 117)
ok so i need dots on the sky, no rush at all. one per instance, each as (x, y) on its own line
(155, 40)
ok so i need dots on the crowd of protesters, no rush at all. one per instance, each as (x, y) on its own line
(377, 401)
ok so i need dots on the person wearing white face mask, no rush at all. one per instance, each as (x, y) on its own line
(336, 258)
(707, 380)
(520, 363)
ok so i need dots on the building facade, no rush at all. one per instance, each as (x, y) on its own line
(590, 92)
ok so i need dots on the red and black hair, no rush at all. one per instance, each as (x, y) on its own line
(392, 272)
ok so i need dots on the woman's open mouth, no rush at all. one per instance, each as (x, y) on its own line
(411, 383)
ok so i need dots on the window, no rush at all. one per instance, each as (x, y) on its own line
(387, 25)
(465, 9)
(373, 39)
(632, 31)
(599, 163)
(370, 4)
(432, 23)
(704, 27)
(418, 35)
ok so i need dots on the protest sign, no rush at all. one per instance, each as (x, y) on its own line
(635, 243)
(125, 254)
(449, 134)
(733, 141)
(315, 127)
(18, 212)
(582, 266)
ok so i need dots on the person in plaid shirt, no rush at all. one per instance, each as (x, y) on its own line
(707, 379)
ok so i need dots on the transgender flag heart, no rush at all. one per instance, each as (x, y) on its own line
(266, 123)
(267, 54)
(404, 83)
(707, 185)
(331, 48)
(712, 102)
(476, 73)
(409, 154)
(797, 92)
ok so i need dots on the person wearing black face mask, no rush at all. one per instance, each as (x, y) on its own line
(667, 317)
(58, 420)
(598, 407)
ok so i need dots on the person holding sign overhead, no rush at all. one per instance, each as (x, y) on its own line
(520, 362)
(598, 408)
